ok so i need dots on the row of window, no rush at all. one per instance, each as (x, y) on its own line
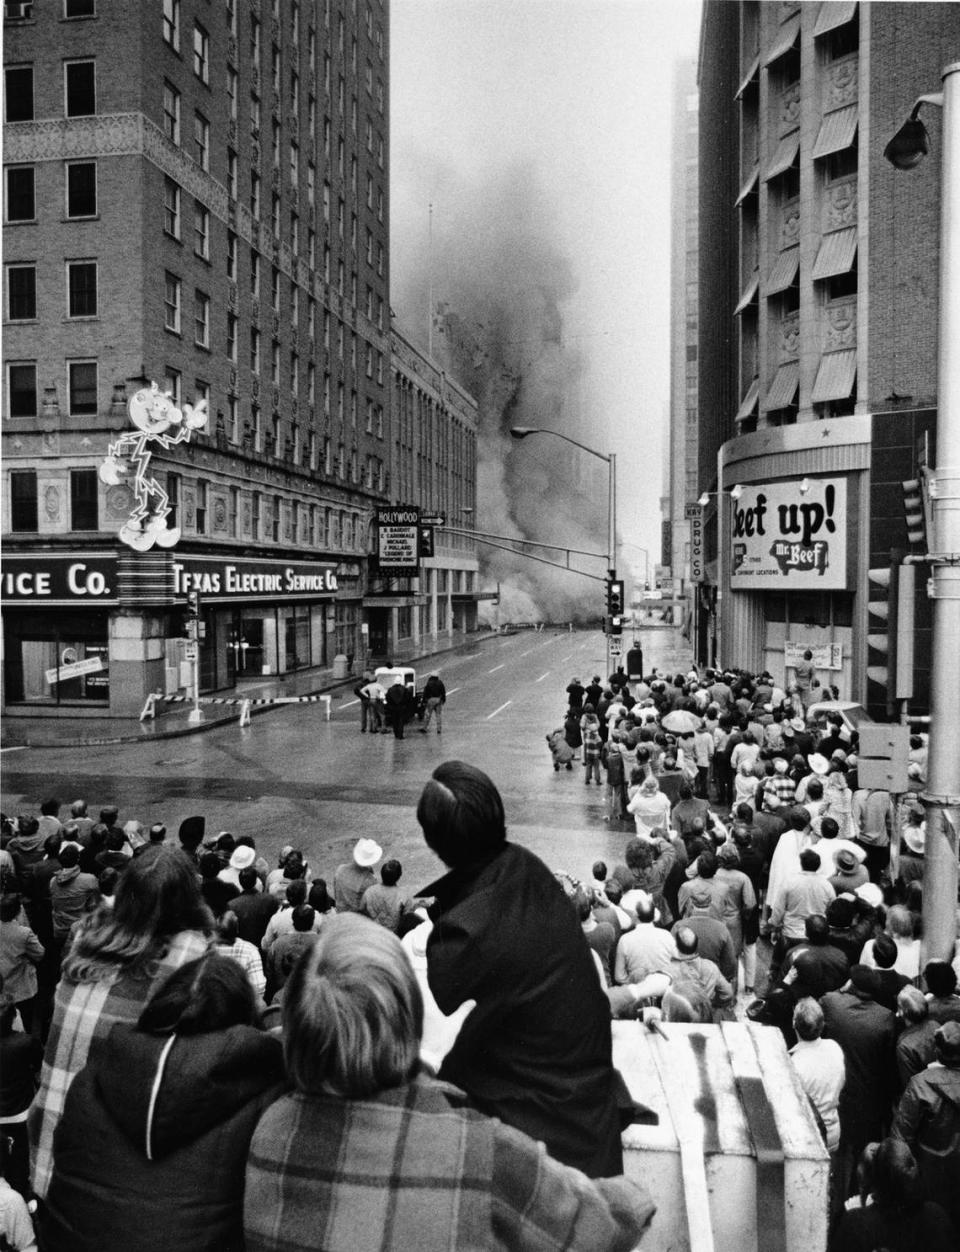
(79, 90)
(84, 495)
(20, 191)
(82, 388)
(82, 296)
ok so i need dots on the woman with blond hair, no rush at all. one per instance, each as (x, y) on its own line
(115, 963)
(367, 1152)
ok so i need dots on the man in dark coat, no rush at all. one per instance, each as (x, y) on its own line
(397, 701)
(928, 1120)
(536, 1051)
(867, 1033)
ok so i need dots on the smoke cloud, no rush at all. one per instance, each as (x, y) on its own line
(500, 281)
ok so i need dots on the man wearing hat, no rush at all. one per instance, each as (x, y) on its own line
(867, 1034)
(850, 873)
(350, 881)
(928, 1120)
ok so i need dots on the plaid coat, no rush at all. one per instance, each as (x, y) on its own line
(409, 1168)
(83, 1012)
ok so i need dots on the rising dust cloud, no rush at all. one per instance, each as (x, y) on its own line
(499, 282)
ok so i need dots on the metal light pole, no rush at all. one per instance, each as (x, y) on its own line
(942, 797)
(521, 432)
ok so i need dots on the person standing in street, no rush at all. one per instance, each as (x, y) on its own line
(434, 698)
(397, 700)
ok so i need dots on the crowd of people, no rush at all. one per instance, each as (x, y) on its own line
(378, 1066)
(367, 1067)
(753, 835)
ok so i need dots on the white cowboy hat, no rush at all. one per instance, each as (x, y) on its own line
(242, 857)
(915, 837)
(819, 764)
(367, 853)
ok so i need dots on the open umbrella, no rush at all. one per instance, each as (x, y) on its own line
(681, 722)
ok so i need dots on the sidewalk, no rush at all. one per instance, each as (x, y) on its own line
(173, 722)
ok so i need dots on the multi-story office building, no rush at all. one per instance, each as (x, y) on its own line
(195, 194)
(683, 574)
(433, 466)
(818, 350)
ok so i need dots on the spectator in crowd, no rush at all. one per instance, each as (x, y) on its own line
(866, 1033)
(383, 1156)
(884, 960)
(151, 1148)
(288, 948)
(253, 907)
(900, 929)
(352, 880)
(894, 1216)
(915, 1048)
(72, 893)
(600, 936)
(20, 954)
(650, 808)
(385, 900)
(16, 1225)
(820, 1067)
(688, 969)
(115, 963)
(281, 923)
(247, 956)
(941, 980)
(216, 893)
(20, 1057)
(713, 938)
(536, 1051)
(928, 1120)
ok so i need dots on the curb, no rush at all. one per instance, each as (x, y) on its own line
(180, 732)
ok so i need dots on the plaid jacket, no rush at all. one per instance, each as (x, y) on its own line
(83, 1012)
(408, 1168)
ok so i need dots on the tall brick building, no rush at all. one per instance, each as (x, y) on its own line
(818, 378)
(196, 194)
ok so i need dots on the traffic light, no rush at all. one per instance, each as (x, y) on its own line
(615, 597)
(193, 604)
(913, 511)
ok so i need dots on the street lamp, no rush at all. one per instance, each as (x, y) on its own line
(942, 797)
(735, 492)
(521, 432)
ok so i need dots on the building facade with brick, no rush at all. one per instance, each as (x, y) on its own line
(818, 383)
(195, 195)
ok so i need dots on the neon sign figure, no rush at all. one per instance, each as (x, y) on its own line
(158, 420)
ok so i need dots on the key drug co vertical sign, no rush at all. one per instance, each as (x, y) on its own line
(789, 535)
(398, 541)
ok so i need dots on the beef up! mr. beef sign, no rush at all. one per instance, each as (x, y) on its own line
(783, 537)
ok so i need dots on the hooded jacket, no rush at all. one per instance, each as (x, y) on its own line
(151, 1148)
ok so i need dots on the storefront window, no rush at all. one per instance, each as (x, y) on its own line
(296, 624)
(57, 659)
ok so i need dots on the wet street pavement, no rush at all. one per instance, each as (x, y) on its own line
(293, 777)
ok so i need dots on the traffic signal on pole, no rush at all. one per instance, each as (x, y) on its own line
(913, 511)
(193, 604)
(615, 597)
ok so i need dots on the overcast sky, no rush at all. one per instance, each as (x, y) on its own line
(580, 92)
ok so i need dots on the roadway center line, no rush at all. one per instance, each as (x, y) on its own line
(348, 703)
(496, 667)
(542, 677)
(20, 747)
(500, 709)
(452, 691)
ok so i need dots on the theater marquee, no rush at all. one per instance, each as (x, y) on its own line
(790, 539)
